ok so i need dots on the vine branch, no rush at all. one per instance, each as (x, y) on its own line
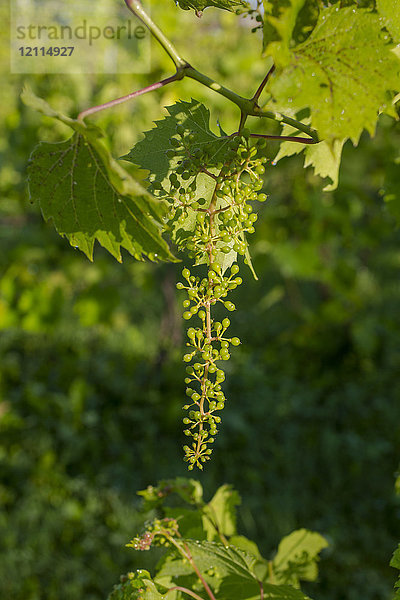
(248, 106)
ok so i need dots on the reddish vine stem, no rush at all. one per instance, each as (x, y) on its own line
(150, 88)
(288, 138)
(263, 84)
(185, 591)
(198, 573)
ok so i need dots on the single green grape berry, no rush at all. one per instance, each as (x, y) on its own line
(226, 249)
(196, 397)
(218, 290)
(186, 421)
(260, 169)
(236, 247)
(238, 280)
(262, 197)
(217, 419)
(220, 406)
(179, 286)
(191, 332)
(228, 305)
(215, 267)
(187, 357)
(186, 303)
(189, 370)
(187, 315)
(225, 323)
(235, 341)
(202, 315)
(224, 344)
(220, 375)
(187, 432)
(234, 269)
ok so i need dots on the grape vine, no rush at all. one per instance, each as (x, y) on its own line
(202, 186)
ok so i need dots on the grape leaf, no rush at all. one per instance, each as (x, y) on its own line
(235, 587)
(151, 152)
(221, 510)
(199, 5)
(89, 196)
(341, 73)
(323, 157)
(390, 11)
(236, 568)
(297, 557)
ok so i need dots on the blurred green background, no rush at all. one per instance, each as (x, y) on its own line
(91, 377)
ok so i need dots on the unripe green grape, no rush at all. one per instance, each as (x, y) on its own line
(186, 303)
(179, 285)
(224, 344)
(186, 421)
(235, 341)
(218, 290)
(202, 315)
(187, 315)
(234, 269)
(220, 375)
(229, 306)
(260, 169)
(195, 397)
(217, 419)
(187, 432)
(191, 332)
(262, 197)
(187, 357)
(225, 323)
(220, 406)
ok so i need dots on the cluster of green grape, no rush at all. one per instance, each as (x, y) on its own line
(220, 227)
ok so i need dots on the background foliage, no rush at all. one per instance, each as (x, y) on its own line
(90, 367)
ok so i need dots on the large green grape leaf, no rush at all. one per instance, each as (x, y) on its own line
(151, 152)
(236, 569)
(297, 557)
(199, 5)
(89, 196)
(342, 73)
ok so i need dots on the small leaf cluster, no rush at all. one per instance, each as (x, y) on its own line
(217, 563)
